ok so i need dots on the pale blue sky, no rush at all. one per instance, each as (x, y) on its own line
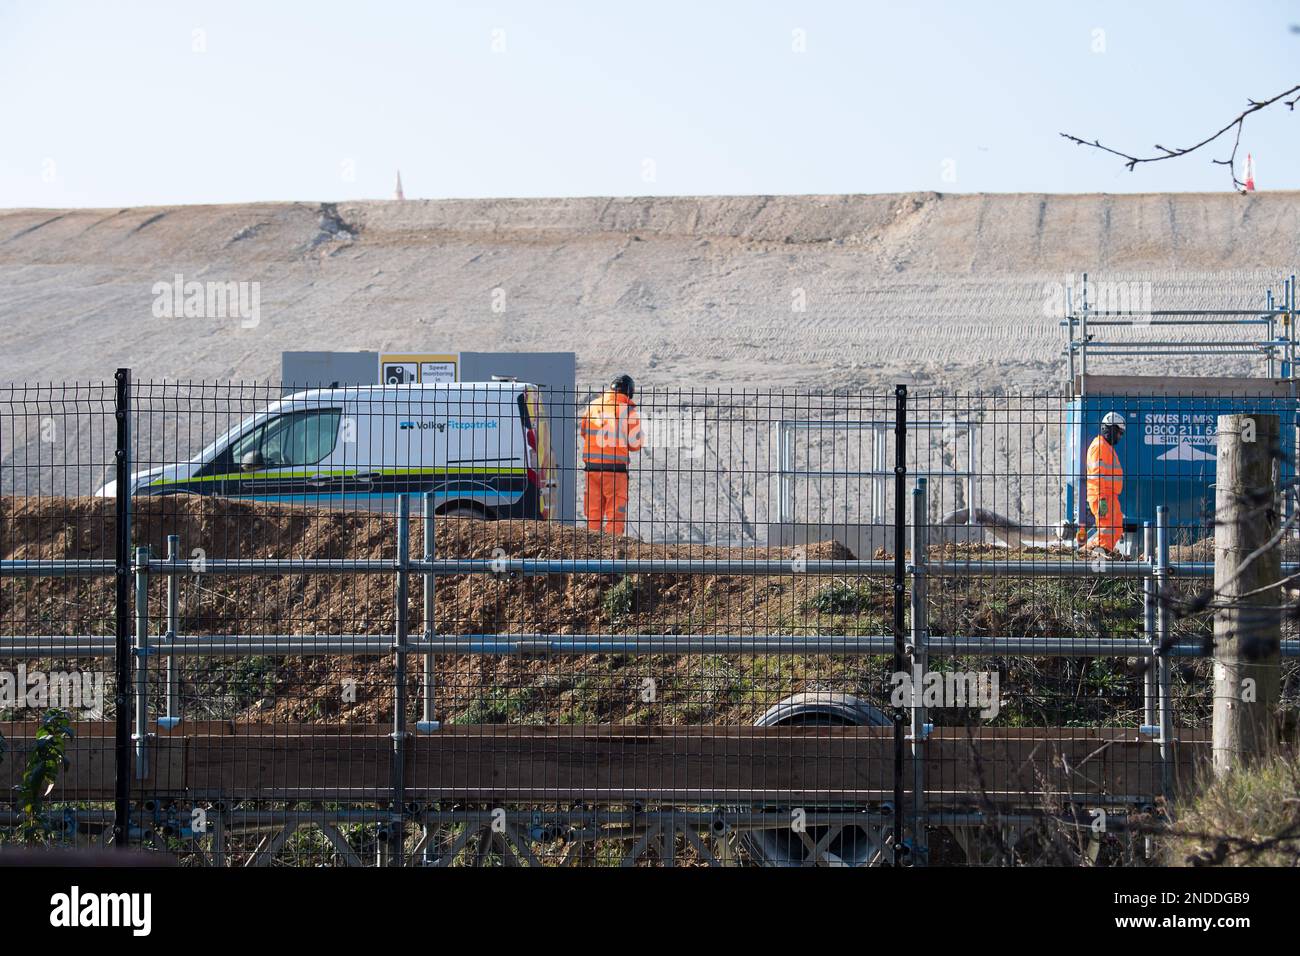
(110, 104)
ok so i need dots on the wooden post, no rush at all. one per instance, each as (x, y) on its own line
(1247, 634)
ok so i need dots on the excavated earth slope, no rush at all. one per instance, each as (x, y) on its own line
(956, 290)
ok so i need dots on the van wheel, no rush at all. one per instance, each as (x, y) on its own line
(462, 511)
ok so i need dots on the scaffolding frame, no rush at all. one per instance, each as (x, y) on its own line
(1277, 347)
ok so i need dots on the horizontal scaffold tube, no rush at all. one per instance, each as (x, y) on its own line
(68, 646)
(530, 567)
(57, 568)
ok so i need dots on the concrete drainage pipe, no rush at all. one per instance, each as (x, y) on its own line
(853, 845)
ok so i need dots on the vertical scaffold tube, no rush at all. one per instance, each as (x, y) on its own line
(920, 663)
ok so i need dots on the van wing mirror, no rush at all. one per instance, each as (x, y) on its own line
(252, 461)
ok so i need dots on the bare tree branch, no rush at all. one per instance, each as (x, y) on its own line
(1253, 106)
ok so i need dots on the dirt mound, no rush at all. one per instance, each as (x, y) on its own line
(691, 686)
(343, 603)
(210, 528)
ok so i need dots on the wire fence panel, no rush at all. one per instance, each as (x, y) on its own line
(789, 627)
(56, 444)
(1065, 633)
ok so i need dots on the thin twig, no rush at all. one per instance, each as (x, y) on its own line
(1254, 106)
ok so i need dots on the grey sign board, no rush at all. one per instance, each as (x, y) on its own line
(303, 370)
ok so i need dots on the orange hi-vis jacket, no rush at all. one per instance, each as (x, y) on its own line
(611, 431)
(1105, 476)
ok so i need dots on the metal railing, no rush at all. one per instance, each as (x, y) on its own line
(880, 473)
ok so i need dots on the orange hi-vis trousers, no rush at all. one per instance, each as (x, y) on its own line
(606, 501)
(1105, 482)
(1110, 521)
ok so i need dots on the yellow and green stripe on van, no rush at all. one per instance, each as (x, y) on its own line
(338, 473)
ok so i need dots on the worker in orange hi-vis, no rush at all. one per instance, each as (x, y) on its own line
(1105, 482)
(611, 431)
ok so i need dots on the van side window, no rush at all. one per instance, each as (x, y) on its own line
(298, 438)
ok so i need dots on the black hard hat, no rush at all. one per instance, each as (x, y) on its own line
(623, 384)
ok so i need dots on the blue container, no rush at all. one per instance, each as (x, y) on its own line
(1169, 446)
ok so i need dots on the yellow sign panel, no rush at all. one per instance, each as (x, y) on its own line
(418, 368)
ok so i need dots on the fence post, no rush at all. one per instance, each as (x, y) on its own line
(783, 479)
(972, 492)
(141, 735)
(1248, 623)
(879, 482)
(429, 721)
(122, 597)
(396, 832)
(920, 663)
(1149, 695)
(1164, 683)
(900, 588)
(172, 717)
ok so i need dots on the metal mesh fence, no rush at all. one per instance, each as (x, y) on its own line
(790, 627)
(57, 442)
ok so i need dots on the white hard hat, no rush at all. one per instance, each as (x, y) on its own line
(1114, 418)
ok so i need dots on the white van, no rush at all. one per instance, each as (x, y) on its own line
(482, 448)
